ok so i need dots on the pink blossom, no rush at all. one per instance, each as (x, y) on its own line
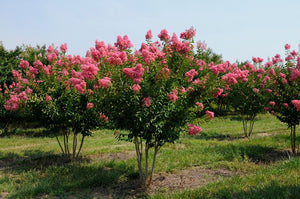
(12, 104)
(287, 46)
(259, 76)
(136, 88)
(272, 103)
(24, 64)
(33, 70)
(296, 103)
(173, 95)
(289, 57)
(79, 84)
(38, 64)
(269, 64)
(64, 47)
(149, 34)
(225, 95)
(190, 74)
(193, 129)
(267, 109)
(47, 70)
(105, 82)
(89, 71)
(254, 59)
(201, 45)
(295, 74)
(23, 96)
(28, 90)
(89, 105)
(256, 90)
(51, 57)
(163, 35)
(282, 75)
(199, 104)
(148, 56)
(286, 105)
(103, 117)
(272, 72)
(135, 73)
(188, 34)
(210, 114)
(50, 49)
(16, 74)
(146, 102)
(48, 98)
(269, 90)
(284, 81)
(294, 53)
(217, 92)
(123, 43)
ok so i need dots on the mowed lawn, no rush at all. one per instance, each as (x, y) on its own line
(217, 163)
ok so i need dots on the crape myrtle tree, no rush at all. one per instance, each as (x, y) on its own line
(9, 61)
(246, 88)
(59, 95)
(152, 93)
(285, 98)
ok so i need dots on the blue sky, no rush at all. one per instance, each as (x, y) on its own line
(237, 29)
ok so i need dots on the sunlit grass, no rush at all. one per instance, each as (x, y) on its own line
(33, 166)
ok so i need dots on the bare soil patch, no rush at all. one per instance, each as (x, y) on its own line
(190, 178)
(3, 194)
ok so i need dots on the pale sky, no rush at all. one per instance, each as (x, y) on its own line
(237, 29)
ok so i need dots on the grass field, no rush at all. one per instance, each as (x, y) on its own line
(218, 163)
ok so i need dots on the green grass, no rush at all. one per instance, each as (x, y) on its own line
(32, 167)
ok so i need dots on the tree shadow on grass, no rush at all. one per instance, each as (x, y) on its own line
(34, 159)
(254, 153)
(215, 135)
(44, 174)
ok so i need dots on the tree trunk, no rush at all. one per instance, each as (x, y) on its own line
(246, 119)
(293, 138)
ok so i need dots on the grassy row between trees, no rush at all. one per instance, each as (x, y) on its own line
(224, 163)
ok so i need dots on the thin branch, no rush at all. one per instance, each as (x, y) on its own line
(59, 145)
(82, 139)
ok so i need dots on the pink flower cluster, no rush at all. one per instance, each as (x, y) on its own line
(146, 102)
(89, 71)
(190, 74)
(103, 83)
(217, 92)
(296, 103)
(193, 129)
(200, 105)
(177, 45)
(24, 64)
(13, 103)
(149, 34)
(210, 114)
(163, 35)
(79, 84)
(89, 105)
(123, 43)
(135, 73)
(173, 95)
(103, 117)
(188, 34)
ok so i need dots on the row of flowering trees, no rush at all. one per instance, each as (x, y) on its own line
(152, 92)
